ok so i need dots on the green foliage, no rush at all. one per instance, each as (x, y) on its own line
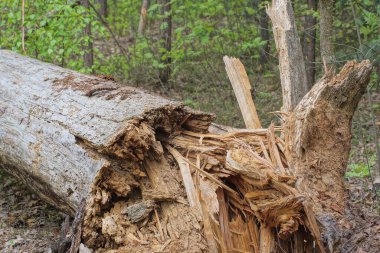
(361, 169)
(366, 22)
(53, 30)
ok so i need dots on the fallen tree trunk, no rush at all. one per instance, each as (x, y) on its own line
(155, 175)
(70, 136)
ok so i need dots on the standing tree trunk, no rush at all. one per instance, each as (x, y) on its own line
(264, 33)
(326, 9)
(143, 17)
(88, 48)
(291, 61)
(309, 41)
(103, 8)
(166, 38)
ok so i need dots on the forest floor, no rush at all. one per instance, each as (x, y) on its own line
(27, 224)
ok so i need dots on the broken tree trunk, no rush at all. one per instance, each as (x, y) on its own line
(319, 137)
(242, 88)
(318, 130)
(71, 137)
(153, 177)
(156, 176)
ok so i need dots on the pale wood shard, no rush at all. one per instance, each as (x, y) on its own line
(226, 237)
(210, 207)
(242, 88)
(266, 239)
(276, 159)
(254, 233)
(192, 195)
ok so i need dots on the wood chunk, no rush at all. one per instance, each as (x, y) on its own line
(139, 211)
(227, 245)
(240, 83)
(191, 193)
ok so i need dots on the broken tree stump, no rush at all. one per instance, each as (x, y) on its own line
(319, 137)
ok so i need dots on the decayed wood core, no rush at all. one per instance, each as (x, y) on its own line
(239, 182)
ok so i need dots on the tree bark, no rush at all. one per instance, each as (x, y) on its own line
(166, 38)
(309, 43)
(143, 16)
(88, 48)
(291, 61)
(326, 9)
(319, 137)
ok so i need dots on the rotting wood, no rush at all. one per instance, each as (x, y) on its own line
(118, 160)
(266, 239)
(238, 160)
(242, 88)
(319, 138)
(317, 127)
(187, 179)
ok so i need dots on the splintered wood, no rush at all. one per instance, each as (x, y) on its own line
(242, 88)
(159, 177)
(246, 192)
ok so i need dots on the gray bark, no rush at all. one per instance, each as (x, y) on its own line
(326, 9)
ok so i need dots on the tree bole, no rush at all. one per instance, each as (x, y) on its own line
(61, 132)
